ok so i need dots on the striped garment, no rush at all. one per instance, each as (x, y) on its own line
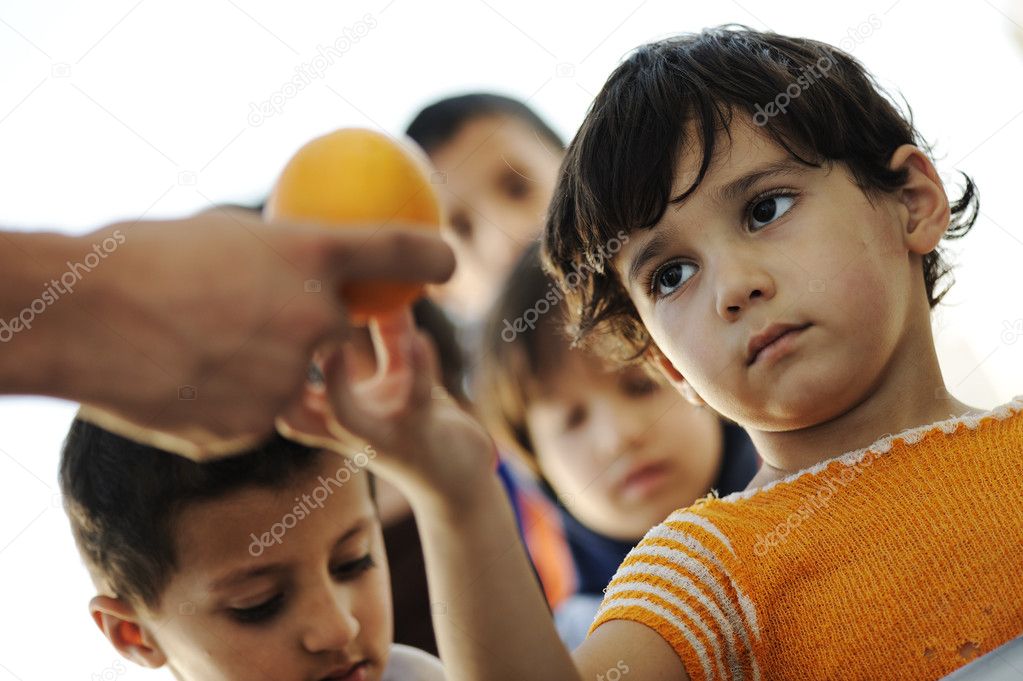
(903, 560)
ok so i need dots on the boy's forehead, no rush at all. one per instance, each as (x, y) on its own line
(312, 508)
(486, 139)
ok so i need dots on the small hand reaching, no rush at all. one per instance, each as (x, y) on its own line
(385, 392)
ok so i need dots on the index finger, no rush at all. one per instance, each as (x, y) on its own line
(402, 255)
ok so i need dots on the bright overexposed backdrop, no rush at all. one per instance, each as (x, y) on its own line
(127, 108)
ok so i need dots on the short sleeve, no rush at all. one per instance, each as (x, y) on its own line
(680, 581)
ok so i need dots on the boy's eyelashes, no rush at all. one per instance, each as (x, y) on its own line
(267, 609)
(258, 613)
(354, 568)
(764, 208)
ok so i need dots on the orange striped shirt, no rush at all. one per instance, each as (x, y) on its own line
(903, 560)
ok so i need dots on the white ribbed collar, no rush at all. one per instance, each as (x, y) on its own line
(883, 444)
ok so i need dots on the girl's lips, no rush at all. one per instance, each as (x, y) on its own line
(779, 345)
(641, 481)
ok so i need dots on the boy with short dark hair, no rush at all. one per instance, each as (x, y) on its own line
(783, 274)
(268, 565)
(497, 162)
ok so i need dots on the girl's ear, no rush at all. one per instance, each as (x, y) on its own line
(673, 376)
(923, 203)
(118, 621)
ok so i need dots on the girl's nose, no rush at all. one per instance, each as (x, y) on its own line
(739, 284)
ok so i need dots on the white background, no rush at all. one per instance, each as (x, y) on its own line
(119, 109)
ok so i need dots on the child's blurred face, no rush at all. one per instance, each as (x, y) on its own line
(313, 605)
(795, 245)
(621, 450)
(499, 178)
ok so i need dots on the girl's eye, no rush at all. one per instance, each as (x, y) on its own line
(768, 209)
(354, 568)
(259, 613)
(575, 417)
(669, 278)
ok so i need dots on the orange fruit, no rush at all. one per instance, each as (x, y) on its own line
(360, 177)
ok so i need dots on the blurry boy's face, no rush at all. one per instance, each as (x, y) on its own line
(499, 178)
(620, 450)
(795, 245)
(313, 605)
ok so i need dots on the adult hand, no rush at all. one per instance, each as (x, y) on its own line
(190, 335)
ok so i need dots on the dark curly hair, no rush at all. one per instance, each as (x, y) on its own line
(618, 172)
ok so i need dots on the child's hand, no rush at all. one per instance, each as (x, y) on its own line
(423, 441)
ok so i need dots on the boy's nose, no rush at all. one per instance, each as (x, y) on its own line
(619, 429)
(329, 624)
(739, 284)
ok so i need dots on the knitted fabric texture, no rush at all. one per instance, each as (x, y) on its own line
(903, 560)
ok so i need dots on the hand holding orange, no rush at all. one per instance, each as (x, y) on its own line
(355, 176)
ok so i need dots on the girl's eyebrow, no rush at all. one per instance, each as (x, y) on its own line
(650, 250)
(742, 184)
